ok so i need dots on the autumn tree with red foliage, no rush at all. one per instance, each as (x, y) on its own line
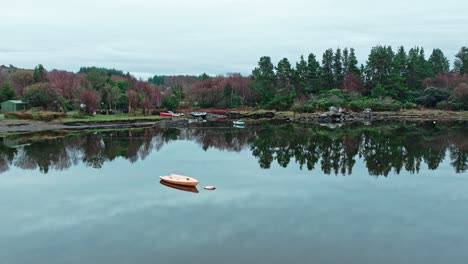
(91, 101)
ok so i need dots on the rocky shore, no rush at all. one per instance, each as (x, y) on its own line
(333, 117)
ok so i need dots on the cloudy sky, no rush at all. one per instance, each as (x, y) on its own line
(148, 37)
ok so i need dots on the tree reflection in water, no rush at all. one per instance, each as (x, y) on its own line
(383, 148)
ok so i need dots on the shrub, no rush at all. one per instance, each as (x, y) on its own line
(42, 95)
(431, 96)
(18, 115)
(303, 108)
(49, 116)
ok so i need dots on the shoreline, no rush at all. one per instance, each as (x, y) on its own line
(253, 117)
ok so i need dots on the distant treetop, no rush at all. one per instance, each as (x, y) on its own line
(101, 70)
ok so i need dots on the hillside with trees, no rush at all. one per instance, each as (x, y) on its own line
(390, 79)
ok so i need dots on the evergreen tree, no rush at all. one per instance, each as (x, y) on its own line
(379, 66)
(39, 74)
(327, 69)
(460, 65)
(353, 63)
(338, 68)
(284, 78)
(263, 80)
(397, 87)
(378, 91)
(313, 77)
(345, 60)
(417, 68)
(438, 62)
(300, 77)
(6, 93)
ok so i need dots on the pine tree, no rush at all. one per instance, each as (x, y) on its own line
(460, 65)
(353, 63)
(438, 62)
(327, 69)
(39, 74)
(417, 68)
(345, 60)
(6, 93)
(284, 78)
(313, 76)
(263, 80)
(300, 77)
(397, 87)
(338, 69)
(379, 66)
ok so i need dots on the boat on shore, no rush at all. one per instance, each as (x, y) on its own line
(170, 114)
(179, 180)
(165, 114)
(198, 114)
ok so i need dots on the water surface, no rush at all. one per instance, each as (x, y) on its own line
(387, 193)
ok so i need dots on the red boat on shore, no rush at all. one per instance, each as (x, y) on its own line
(165, 114)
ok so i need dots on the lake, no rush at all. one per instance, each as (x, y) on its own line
(382, 193)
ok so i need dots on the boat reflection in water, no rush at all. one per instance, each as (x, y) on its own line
(180, 187)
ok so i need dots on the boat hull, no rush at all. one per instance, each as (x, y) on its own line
(179, 180)
(238, 123)
(179, 187)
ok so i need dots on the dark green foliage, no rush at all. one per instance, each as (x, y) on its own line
(352, 63)
(431, 96)
(101, 71)
(157, 79)
(300, 77)
(6, 93)
(379, 66)
(39, 74)
(284, 78)
(203, 76)
(378, 91)
(439, 63)
(170, 103)
(328, 77)
(313, 75)
(263, 81)
(338, 72)
(461, 61)
(417, 68)
(42, 95)
(96, 79)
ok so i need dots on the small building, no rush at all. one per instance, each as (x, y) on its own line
(14, 105)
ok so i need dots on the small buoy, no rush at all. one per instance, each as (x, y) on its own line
(210, 188)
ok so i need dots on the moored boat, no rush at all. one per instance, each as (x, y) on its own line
(238, 123)
(179, 179)
(179, 187)
(198, 114)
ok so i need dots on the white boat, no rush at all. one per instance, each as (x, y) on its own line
(197, 114)
(179, 179)
(238, 123)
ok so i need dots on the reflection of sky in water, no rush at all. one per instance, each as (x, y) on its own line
(121, 214)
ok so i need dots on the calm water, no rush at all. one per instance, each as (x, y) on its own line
(389, 193)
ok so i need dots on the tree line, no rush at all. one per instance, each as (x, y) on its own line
(390, 79)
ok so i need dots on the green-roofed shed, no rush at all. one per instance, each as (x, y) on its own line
(14, 105)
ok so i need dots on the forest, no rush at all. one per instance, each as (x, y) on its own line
(390, 79)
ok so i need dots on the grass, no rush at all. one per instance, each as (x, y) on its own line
(73, 117)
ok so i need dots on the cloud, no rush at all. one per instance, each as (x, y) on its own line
(191, 37)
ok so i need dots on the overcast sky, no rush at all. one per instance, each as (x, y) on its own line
(148, 37)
